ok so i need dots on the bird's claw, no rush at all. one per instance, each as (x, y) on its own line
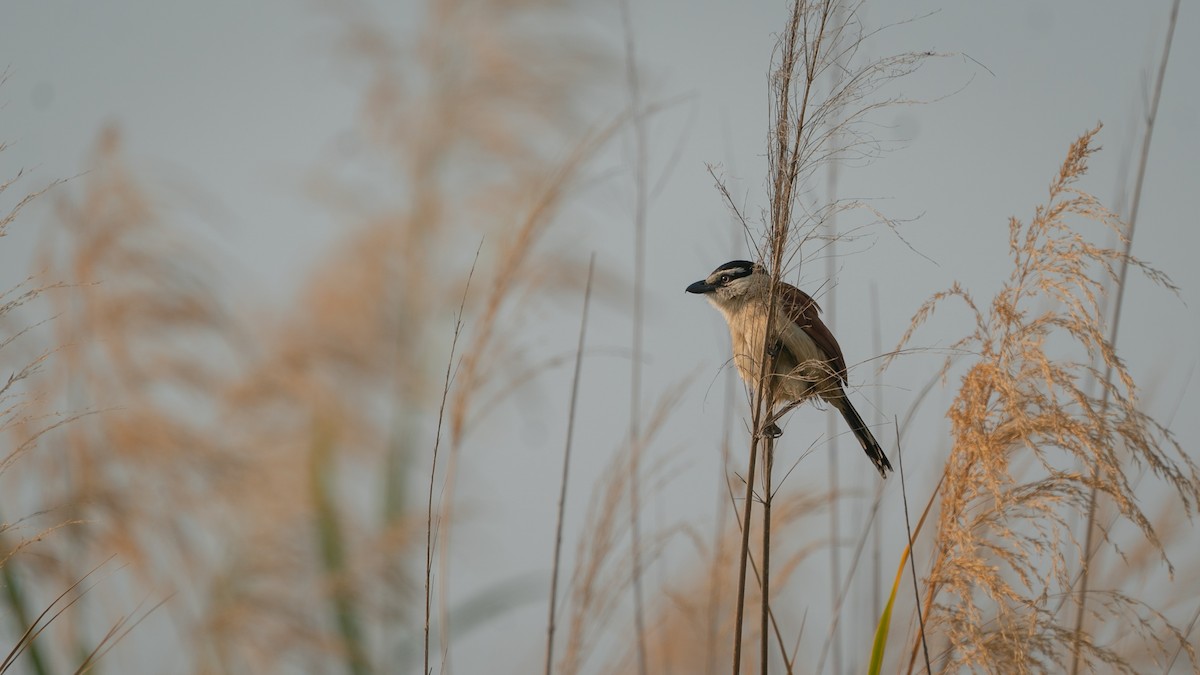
(774, 348)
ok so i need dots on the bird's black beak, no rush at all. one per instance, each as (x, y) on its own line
(701, 286)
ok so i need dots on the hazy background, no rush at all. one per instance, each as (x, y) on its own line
(234, 109)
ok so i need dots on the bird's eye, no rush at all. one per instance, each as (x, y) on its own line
(724, 278)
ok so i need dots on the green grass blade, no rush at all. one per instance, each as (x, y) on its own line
(331, 549)
(885, 621)
(16, 601)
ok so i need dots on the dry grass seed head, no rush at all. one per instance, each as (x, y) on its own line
(603, 569)
(999, 532)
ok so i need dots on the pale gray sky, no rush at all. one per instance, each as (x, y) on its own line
(240, 101)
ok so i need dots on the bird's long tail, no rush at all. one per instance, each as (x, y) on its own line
(869, 444)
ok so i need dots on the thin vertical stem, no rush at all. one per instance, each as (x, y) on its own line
(765, 583)
(784, 158)
(747, 510)
(762, 412)
(911, 553)
(437, 441)
(877, 562)
(835, 525)
(635, 378)
(1184, 641)
(562, 493)
(788, 660)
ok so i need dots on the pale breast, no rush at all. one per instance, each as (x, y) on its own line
(746, 335)
(800, 363)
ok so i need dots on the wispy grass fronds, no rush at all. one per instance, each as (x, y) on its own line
(9, 216)
(1023, 422)
(603, 569)
(678, 641)
(149, 342)
(18, 421)
(475, 124)
(24, 422)
(119, 630)
(52, 611)
(241, 455)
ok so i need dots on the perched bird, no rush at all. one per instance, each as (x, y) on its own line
(807, 359)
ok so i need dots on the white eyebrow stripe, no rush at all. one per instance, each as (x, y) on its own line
(734, 272)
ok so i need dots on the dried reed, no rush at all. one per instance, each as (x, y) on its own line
(808, 130)
(603, 568)
(1022, 422)
(566, 472)
(20, 424)
(258, 457)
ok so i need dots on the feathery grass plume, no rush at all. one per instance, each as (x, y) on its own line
(475, 122)
(261, 462)
(451, 122)
(681, 616)
(519, 207)
(17, 421)
(21, 427)
(1136, 573)
(603, 567)
(1023, 422)
(145, 349)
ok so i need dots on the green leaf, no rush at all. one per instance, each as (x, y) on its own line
(885, 621)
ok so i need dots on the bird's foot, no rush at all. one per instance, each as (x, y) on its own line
(772, 430)
(774, 348)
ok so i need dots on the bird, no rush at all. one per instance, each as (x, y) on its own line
(807, 359)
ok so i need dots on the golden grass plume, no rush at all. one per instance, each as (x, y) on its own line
(1031, 437)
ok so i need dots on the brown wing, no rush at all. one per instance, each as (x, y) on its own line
(805, 312)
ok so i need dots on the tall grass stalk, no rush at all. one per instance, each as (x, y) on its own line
(912, 558)
(638, 123)
(877, 543)
(475, 369)
(603, 570)
(430, 527)
(566, 470)
(783, 167)
(1143, 162)
(831, 421)
(765, 614)
(808, 130)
